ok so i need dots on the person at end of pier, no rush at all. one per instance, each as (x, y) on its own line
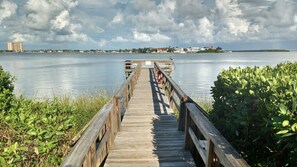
(159, 76)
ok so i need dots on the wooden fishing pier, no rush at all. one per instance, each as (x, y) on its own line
(139, 126)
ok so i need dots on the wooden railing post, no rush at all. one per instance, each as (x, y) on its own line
(90, 158)
(110, 127)
(114, 119)
(171, 97)
(132, 86)
(165, 86)
(93, 144)
(129, 90)
(118, 112)
(187, 135)
(211, 158)
(182, 113)
(163, 81)
(167, 90)
(126, 97)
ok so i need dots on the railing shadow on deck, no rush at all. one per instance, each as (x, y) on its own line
(93, 144)
(157, 95)
(208, 147)
(168, 145)
(201, 137)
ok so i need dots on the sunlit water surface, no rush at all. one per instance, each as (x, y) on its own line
(45, 75)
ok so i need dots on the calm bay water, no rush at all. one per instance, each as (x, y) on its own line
(45, 75)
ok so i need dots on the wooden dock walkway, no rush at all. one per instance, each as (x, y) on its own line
(137, 127)
(149, 133)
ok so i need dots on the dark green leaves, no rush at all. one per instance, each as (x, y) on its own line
(38, 133)
(259, 104)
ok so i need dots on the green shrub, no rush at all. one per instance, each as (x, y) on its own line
(84, 107)
(6, 90)
(38, 133)
(255, 109)
(205, 103)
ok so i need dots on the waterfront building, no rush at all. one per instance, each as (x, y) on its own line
(15, 46)
(162, 50)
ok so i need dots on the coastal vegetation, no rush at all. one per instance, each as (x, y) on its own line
(263, 50)
(205, 104)
(169, 49)
(150, 50)
(39, 133)
(211, 50)
(255, 108)
(6, 51)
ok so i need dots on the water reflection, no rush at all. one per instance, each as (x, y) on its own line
(42, 75)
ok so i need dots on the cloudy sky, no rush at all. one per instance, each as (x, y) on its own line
(120, 24)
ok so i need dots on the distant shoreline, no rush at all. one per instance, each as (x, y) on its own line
(114, 52)
(265, 50)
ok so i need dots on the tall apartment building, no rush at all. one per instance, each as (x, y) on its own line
(15, 46)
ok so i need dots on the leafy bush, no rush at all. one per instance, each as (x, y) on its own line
(35, 131)
(205, 103)
(6, 90)
(255, 109)
(38, 133)
(85, 106)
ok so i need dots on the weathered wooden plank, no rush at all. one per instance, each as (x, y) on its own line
(155, 116)
(149, 138)
(146, 146)
(180, 93)
(151, 163)
(149, 135)
(85, 151)
(88, 138)
(157, 134)
(179, 152)
(200, 145)
(155, 126)
(227, 155)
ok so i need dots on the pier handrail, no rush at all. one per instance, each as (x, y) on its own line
(171, 88)
(95, 142)
(202, 139)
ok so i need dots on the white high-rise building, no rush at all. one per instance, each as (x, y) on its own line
(15, 46)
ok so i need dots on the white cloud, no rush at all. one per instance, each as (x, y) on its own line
(139, 5)
(42, 13)
(143, 37)
(167, 5)
(22, 37)
(118, 19)
(147, 22)
(237, 26)
(51, 20)
(119, 39)
(205, 31)
(70, 3)
(61, 21)
(102, 43)
(160, 37)
(200, 31)
(74, 37)
(191, 9)
(229, 8)
(276, 21)
(231, 16)
(281, 13)
(7, 9)
(159, 19)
